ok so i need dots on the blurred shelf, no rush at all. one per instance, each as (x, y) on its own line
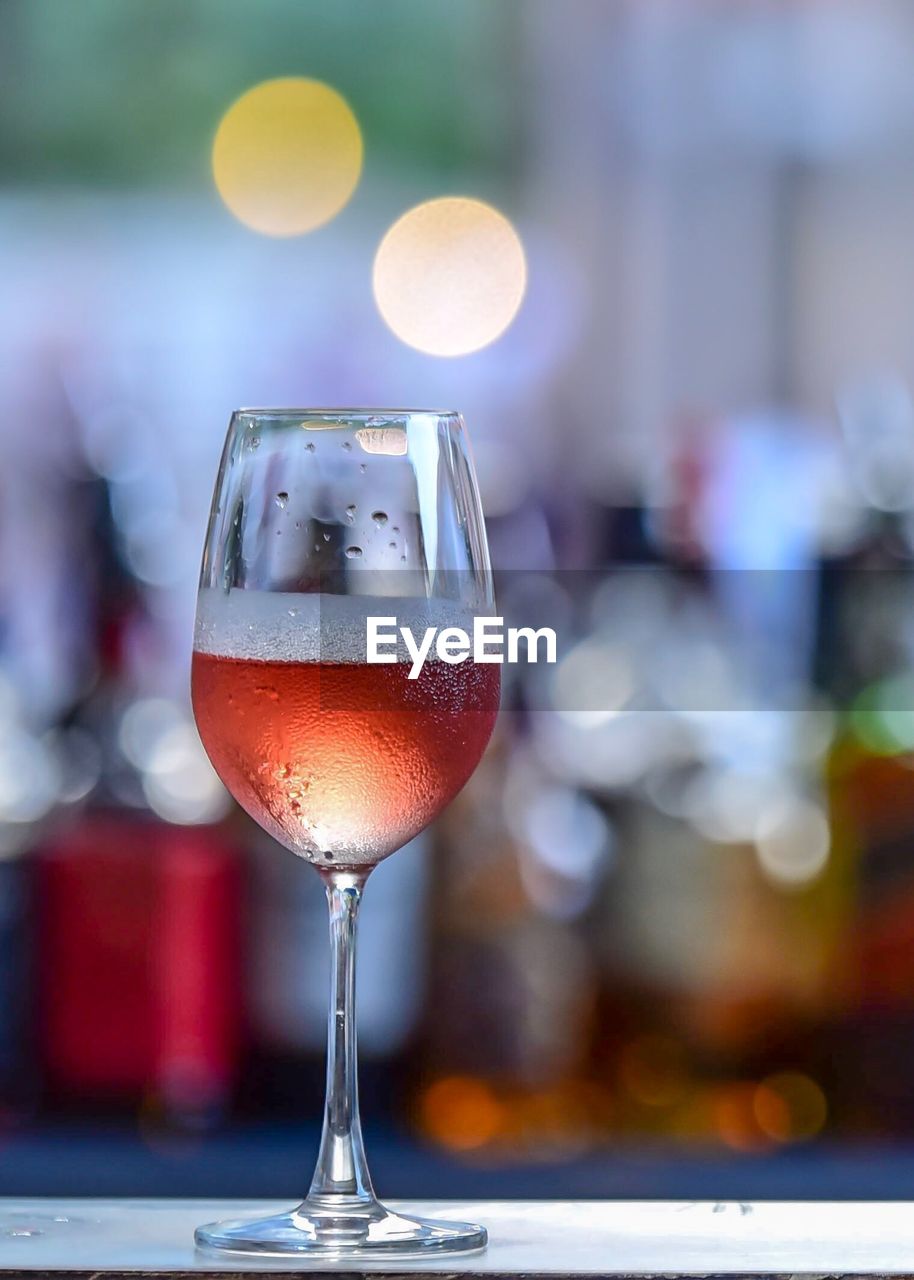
(257, 1161)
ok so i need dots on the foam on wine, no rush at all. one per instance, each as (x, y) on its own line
(280, 626)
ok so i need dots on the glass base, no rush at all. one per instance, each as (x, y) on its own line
(343, 1231)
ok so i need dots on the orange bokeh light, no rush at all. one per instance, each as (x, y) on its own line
(461, 1112)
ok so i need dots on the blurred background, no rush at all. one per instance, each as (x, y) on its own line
(663, 951)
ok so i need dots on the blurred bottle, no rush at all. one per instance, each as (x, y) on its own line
(871, 787)
(865, 657)
(512, 988)
(138, 966)
(138, 918)
(17, 1074)
(719, 963)
(721, 924)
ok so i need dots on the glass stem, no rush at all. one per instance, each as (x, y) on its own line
(342, 1170)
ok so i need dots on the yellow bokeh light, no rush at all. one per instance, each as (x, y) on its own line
(790, 1107)
(287, 156)
(449, 276)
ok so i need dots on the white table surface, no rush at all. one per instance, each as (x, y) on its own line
(587, 1238)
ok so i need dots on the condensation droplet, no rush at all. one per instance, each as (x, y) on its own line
(403, 557)
(281, 499)
(346, 445)
(395, 528)
(392, 545)
(380, 518)
(310, 446)
(254, 443)
(326, 537)
(363, 467)
(353, 553)
(350, 513)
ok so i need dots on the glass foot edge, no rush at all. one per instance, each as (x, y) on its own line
(386, 1234)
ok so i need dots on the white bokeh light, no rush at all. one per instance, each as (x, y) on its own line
(450, 275)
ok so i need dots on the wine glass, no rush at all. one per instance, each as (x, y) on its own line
(322, 519)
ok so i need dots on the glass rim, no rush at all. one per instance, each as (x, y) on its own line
(344, 414)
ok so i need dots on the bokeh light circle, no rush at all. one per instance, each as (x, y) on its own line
(450, 275)
(790, 1107)
(793, 841)
(287, 156)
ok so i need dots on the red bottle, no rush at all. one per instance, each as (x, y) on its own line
(139, 960)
